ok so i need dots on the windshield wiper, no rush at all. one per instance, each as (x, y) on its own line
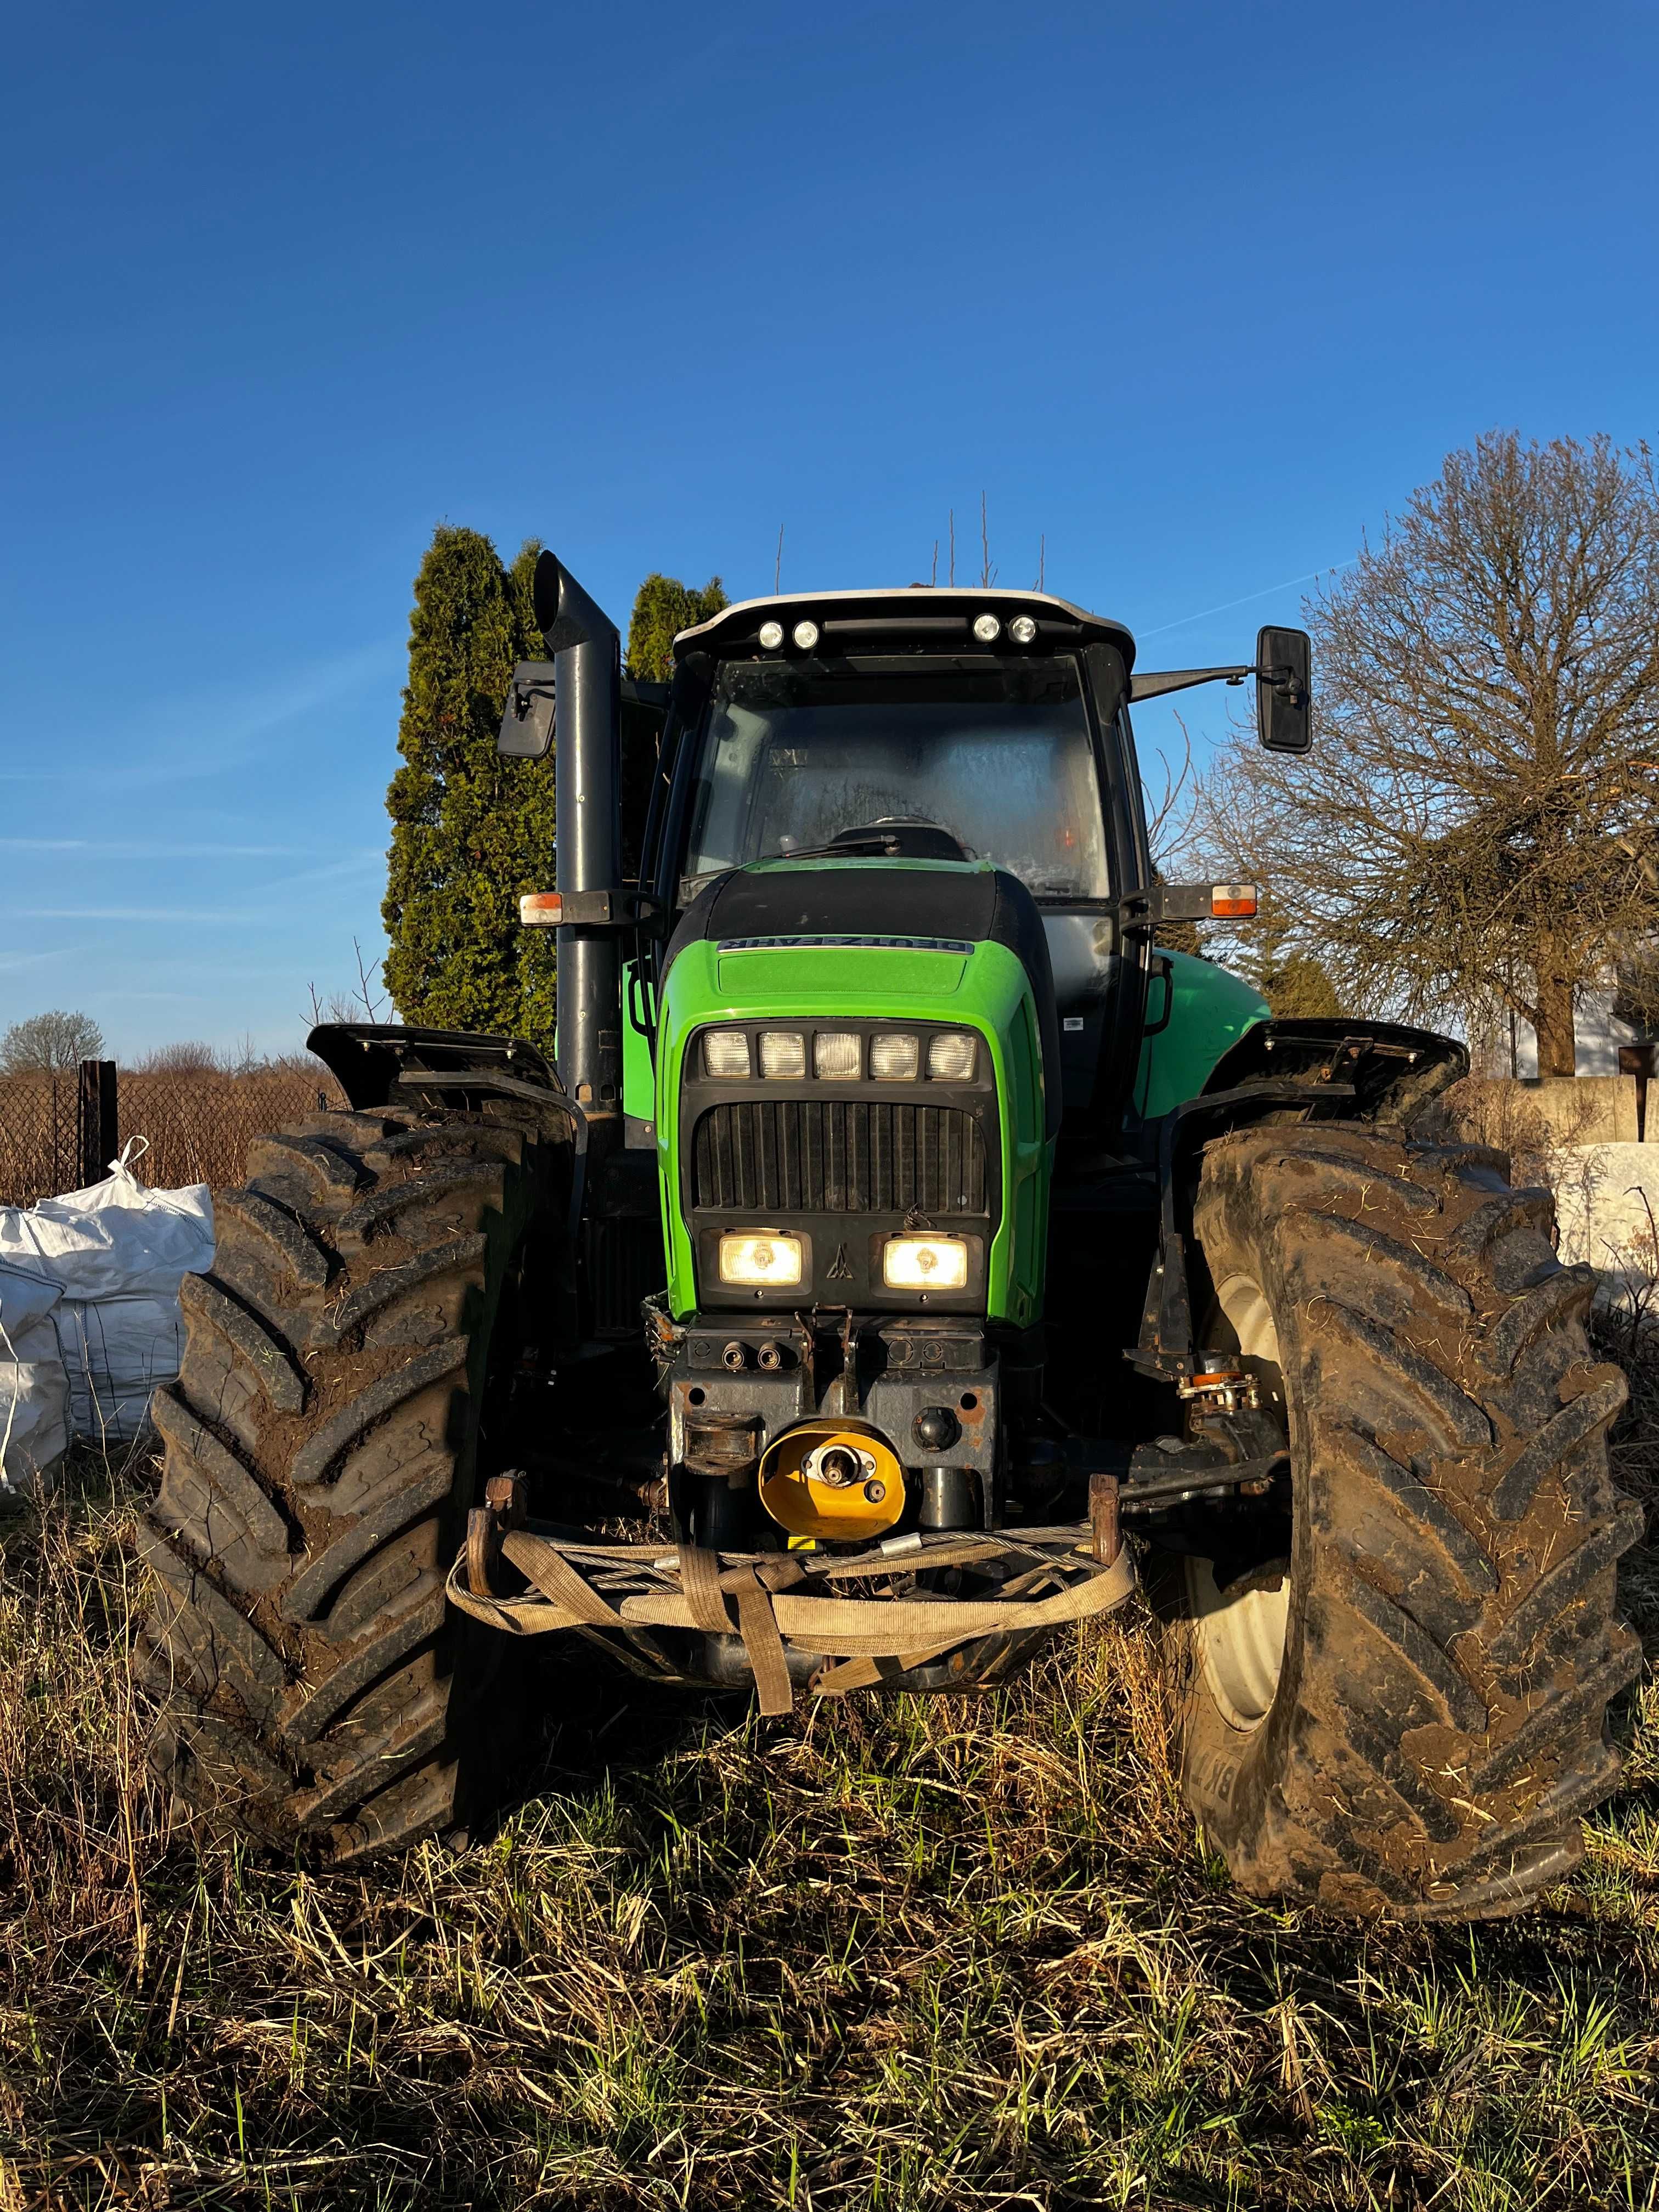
(876, 840)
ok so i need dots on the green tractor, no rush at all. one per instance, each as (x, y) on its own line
(905, 1253)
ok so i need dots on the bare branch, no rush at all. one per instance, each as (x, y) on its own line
(1160, 812)
(1475, 827)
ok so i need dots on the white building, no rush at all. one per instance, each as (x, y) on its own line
(1597, 1034)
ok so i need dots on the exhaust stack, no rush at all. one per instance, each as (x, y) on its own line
(586, 654)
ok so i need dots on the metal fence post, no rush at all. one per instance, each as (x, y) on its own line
(97, 1135)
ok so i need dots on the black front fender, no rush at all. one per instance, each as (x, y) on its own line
(379, 1064)
(1393, 1070)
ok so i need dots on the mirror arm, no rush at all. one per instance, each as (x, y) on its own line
(1153, 685)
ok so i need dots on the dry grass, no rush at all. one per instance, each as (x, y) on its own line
(198, 1121)
(912, 1955)
(1498, 1111)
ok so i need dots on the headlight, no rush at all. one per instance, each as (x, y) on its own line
(782, 1053)
(924, 1263)
(835, 1056)
(726, 1052)
(950, 1057)
(893, 1058)
(761, 1259)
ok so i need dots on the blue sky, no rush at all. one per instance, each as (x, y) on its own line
(1196, 293)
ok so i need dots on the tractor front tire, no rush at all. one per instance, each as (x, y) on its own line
(321, 1445)
(1405, 1714)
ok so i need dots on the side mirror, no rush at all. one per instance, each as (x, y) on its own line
(1284, 690)
(526, 730)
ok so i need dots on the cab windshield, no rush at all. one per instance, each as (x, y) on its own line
(998, 754)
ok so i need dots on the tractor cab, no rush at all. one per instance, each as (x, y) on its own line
(986, 728)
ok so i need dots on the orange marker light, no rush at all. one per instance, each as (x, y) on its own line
(542, 909)
(1232, 899)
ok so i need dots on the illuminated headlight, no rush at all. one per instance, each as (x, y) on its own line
(1022, 629)
(893, 1058)
(782, 1053)
(924, 1263)
(836, 1057)
(987, 628)
(726, 1053)
(761, 1261)
(806, 635)
(950, 1057)
(771, 636)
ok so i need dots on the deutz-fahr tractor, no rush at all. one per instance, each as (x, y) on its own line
(904, 1253)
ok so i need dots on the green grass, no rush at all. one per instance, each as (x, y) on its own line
(902, 1954)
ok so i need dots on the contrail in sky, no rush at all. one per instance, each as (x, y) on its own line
(1267, 591)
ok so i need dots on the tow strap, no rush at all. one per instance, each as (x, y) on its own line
(777, 1601)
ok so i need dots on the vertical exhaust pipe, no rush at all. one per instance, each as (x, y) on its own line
(586, 654)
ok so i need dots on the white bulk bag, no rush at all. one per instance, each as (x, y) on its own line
(33, 1425)
(115, 1352)
(115, 1240)
(25, 1299)
(89, 1295)
(34, 1388)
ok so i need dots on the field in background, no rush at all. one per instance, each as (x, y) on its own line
(199, 1121)
(919, 1955)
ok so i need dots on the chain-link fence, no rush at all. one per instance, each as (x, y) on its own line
(40, 1144)
(59, 1131)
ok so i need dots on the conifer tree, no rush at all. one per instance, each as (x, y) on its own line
(1295, 985)
(469, 830)
(663, 607)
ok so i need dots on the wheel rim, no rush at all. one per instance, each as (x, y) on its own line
(1241, 1631)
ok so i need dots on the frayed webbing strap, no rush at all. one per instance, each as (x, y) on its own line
(865, 1674)
(692, 1589)
(758, 1627)
(705, 1585)
(558, 1581)
(700, 1579)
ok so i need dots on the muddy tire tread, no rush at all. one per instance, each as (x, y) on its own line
(319, 1462)
(1440, 1730)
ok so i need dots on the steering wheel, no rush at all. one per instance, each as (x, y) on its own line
(916, 838)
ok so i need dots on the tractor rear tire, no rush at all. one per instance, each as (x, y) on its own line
(321, 1447)
(1405, 1717)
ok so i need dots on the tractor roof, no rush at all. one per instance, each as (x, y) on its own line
(921, 614)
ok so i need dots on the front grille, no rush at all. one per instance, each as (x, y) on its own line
(838, 1156)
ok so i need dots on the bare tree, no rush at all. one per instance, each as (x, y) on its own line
(1636, 996)
(1475, 829)
(50, 1041)
(1168, 811)
(366, 1003)
(189, 1056)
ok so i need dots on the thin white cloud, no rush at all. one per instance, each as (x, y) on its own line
(1267, 591)
(14, 960)
(365, 857)
(208, 732)
(259, 909)
(134, 849)
(217, 917)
